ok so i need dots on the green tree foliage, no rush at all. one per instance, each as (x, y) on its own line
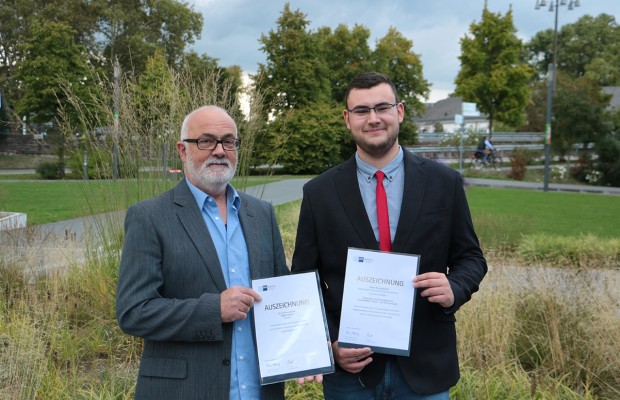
(153, 94)
(51, 59)
(308, 140)
(312, 69)
(589, 47)
(579, 113)
(608, 150)
(202, 66)
(394, 57)
(295, 74)
(346, 53)
(133, 29)
(128, 30)
(492, 73)
(16, 19)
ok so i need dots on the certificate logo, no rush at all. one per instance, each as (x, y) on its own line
(364, 260)
(266, 288)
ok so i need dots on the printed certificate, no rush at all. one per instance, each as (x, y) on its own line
(292, 339)
(378, 301)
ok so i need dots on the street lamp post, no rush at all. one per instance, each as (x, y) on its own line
(117, 77)
(554, 5)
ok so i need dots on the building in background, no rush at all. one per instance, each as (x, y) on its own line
(443, 112)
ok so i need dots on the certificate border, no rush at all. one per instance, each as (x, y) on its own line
(265, 380)
(388, 350)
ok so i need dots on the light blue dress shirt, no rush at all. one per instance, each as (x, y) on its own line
(394, 185)
(233, 255)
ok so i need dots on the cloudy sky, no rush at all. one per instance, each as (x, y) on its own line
(232, 28)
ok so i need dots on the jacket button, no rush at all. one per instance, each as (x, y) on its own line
(226, 362)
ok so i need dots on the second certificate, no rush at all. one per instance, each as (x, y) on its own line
(378, 301)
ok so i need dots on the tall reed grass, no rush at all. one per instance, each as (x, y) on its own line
(531, 332)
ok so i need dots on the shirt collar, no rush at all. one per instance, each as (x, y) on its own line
(390, 170)
(231, 195)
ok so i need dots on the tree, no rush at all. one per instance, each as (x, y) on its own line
(608, 149)
(203, 66)
(346, 53)
(295, 74)
(307, 140)
(394, 57)
(53, 62)
(579, 113)
(492, 73)
(131, 30)
(51, 59)
(590, 46)
(16, 18)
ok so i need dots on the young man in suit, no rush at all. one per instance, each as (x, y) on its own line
(428, 215)
(186, 269)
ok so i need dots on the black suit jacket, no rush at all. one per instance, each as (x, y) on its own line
(434, 223)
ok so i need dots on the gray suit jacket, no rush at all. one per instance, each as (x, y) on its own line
(169, 288)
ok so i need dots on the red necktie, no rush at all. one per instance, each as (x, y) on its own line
(385, 240)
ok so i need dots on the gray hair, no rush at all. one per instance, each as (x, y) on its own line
(184, 126)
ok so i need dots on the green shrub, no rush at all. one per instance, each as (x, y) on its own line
(518, 162)
(586, 251)
(51, 170)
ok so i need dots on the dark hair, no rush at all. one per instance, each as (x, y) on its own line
(368, 80)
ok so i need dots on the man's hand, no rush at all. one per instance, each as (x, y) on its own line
(236, 302)
(436, 288)
(352, 360)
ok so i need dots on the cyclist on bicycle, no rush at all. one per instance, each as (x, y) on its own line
(480, 154)
(488, 148)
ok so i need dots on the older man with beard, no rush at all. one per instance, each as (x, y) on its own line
(186, 268)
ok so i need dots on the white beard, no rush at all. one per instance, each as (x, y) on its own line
(211, 180)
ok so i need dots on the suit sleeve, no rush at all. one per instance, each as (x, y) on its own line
(141, 309)
(467, 265)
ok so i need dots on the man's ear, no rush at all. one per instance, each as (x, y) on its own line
(345, 115)
(182, 150)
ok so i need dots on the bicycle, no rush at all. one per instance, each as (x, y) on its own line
(480, 160)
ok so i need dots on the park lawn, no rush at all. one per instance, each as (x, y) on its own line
(51, 201)
(554, 213)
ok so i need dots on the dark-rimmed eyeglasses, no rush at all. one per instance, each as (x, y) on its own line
(211, 144)
(363, 111)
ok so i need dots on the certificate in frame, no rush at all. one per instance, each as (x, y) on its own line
(290, 326)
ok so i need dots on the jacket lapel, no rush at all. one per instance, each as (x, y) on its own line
(348, 191)
(414, 192)
(251, 235)
(193, 223)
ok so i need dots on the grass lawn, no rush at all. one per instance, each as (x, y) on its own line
(556, 213)
(51, 201)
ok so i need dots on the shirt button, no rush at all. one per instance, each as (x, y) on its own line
(226, 362)
(241, 357)
(232, 270)
(239, 329)
(243, 387)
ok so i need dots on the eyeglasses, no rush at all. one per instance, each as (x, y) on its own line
(363, 111)
(211, 144)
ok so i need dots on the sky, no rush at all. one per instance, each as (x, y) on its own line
(232, 28)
